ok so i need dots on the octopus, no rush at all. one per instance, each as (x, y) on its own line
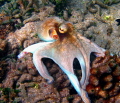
(62, 44)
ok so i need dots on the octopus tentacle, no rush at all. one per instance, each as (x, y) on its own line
(33, 48)
(84, 96)
(87, 62)
(66, 64)
(83, 67)
(41, 67)
(87, 48)
(72, 77)
(74, 81)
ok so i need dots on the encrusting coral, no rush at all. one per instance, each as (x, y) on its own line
(62, 39)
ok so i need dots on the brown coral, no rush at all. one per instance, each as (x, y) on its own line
(5, 29)
(106, 87)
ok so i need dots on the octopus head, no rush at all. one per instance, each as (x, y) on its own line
(55, 28)
(66, 30)
(48, 31)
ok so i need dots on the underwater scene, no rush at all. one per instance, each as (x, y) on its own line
(59, 51)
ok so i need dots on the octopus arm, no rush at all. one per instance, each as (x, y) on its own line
(84, 96)
(83, 67)
(74, 81)
(33, 48)
(68, 70)
(87, 72)
(89, 47)
(37, 56)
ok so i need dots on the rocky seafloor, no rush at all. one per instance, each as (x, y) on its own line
(19, 80)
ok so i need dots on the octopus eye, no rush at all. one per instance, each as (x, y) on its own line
(63, 28)
(53, 34)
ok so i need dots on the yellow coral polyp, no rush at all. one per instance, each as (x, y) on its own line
(108, 17)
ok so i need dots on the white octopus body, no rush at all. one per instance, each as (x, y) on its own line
(63, 51)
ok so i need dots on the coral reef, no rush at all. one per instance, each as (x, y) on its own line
(104, 85)
(97, 20)
(44, 13)
(20, 10)
(98, 23)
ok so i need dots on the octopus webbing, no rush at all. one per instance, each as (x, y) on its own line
(63, 44)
